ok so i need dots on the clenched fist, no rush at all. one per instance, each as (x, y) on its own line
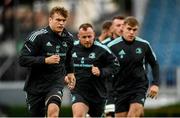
(54, 59)
(153, 91)
(70, 80)
(95, 71)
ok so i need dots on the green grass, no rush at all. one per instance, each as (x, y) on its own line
(167, 111)
(20, 111)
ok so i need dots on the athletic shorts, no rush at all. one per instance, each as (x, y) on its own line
(96, 108)
(123, 101)
(37, 104)
(110, 106)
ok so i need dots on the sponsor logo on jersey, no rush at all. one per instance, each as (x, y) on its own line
(64, 44)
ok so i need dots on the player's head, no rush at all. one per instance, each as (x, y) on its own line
(117, 23)
(57, 19)
(86, 35)
(130, 28)
(106, 28)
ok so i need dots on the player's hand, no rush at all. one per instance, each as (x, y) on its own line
(153, 91)
(95, 71)
(54, 59)
(70, 80)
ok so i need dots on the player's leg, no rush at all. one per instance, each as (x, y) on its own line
(80, 106)
(122, 105)
(136, 110)
(121, 114)
(79, 109)
(110, 107)
(96, 107)
(109, 110)
(53, 103)
(53, 110)
(35, 104)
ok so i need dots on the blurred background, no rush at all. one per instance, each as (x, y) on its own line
(160, 25)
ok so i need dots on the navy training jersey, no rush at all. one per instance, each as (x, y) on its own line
(98, 55)
(39, 45)
(132, 57)
(107, 40)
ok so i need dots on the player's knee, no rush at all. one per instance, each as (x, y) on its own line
(136, 110)
(53, 106)
(53, 110)
(79, 114)
(139, 110)
(138, 113)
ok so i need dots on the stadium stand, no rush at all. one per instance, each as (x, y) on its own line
(161, 28)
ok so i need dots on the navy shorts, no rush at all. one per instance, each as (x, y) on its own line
(37, 103)
(96, 107)
(110, 106)
(123, 101)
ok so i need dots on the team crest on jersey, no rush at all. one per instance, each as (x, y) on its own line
(138, 50)
(64, 44)
(74, 55)
(122, 53)
(92, 55)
